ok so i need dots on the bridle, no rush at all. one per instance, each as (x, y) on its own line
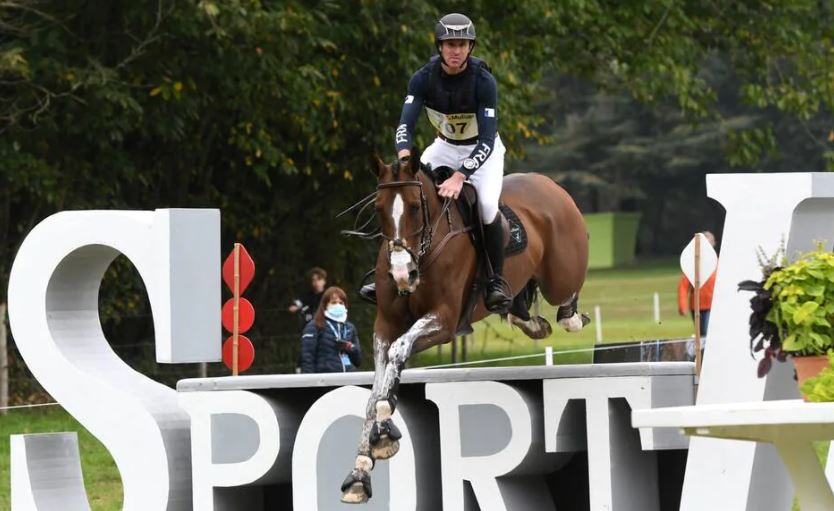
(426, 230)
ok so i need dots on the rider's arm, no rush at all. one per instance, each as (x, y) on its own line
(404, 136)
(487, 116)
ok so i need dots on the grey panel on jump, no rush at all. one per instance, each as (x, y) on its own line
(278, 381)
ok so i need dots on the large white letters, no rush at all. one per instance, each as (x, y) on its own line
(338, 404)
(53, 312)
(234, 455)
(522, 454)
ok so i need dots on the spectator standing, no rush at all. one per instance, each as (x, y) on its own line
(308, 303)
(329, 342)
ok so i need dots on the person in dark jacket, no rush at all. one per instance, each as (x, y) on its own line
(330, 343)
(307, 304)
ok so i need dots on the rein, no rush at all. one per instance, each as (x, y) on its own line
(426, 231)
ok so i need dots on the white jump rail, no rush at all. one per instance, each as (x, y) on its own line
(790, 425)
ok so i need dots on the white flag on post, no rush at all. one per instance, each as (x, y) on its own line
(708, 260)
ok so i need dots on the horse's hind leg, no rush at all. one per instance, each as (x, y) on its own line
(356, 488)
(569, 318)
(534, 327)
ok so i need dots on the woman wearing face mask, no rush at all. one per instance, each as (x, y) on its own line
(329, 343)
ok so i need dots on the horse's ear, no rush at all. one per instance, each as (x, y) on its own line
(377, 166)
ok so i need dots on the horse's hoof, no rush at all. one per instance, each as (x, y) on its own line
(355, 494)
(574, 323)
(386, 448)
(537, 328)
(384, 439)
(356, 488)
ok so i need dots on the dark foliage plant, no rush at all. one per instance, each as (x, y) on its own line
(765, 335)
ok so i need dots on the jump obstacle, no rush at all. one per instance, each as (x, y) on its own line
(557, 437)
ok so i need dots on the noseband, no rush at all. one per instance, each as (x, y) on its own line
(426, 231)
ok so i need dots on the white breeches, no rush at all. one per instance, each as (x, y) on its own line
(487, 180)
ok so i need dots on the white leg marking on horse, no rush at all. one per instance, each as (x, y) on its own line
(401, 349)
(396, 214)
(383, 410)
(364, 463)
(572, 324)
(379, 360)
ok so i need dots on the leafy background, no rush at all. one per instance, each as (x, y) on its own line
(270, 111)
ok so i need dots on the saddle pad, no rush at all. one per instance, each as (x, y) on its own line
(518, 234)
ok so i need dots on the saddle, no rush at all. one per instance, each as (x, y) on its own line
(515, 240)
(515, 235)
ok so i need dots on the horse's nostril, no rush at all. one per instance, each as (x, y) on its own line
(413, 275)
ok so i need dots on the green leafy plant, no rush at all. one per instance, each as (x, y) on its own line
(792, 309)
(820, 388)
(803, 303)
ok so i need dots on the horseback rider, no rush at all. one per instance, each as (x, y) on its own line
(461, 100)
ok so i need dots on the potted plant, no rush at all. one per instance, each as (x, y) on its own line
(820, 388)
(793, 311)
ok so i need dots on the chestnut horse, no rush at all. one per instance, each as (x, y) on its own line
(425, 272)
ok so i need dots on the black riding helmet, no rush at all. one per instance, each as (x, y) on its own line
(453, 26)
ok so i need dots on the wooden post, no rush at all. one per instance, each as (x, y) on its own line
(4, 362)
(236, 318)
(464, 347)
(696, 305)
(454, 349)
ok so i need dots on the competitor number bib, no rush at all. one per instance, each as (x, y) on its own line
(454, 126)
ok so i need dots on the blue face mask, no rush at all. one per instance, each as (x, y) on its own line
(336, 312)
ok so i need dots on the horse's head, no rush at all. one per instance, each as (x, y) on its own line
(403, 213)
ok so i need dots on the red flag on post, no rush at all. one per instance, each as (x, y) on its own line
(238, 314)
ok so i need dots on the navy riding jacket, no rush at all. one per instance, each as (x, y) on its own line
(321, 351)
(462, 107)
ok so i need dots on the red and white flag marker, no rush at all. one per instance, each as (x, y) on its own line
(238, 314)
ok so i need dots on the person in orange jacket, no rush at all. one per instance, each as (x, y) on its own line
(686, 294)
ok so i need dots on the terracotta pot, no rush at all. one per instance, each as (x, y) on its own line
(808, 367)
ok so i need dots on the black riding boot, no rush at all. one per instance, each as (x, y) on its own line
(499, 296)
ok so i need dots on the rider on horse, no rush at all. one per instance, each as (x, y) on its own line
(461, 100)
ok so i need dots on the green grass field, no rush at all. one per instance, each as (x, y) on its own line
(625, 298)
(104, 486)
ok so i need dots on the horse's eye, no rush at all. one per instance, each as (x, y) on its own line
(415, 208)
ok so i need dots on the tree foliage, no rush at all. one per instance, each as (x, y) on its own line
(269, 110)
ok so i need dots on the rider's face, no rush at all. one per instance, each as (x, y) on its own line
(454, 52)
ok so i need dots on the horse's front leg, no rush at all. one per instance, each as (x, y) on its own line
(356, 488)
(384, 437)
